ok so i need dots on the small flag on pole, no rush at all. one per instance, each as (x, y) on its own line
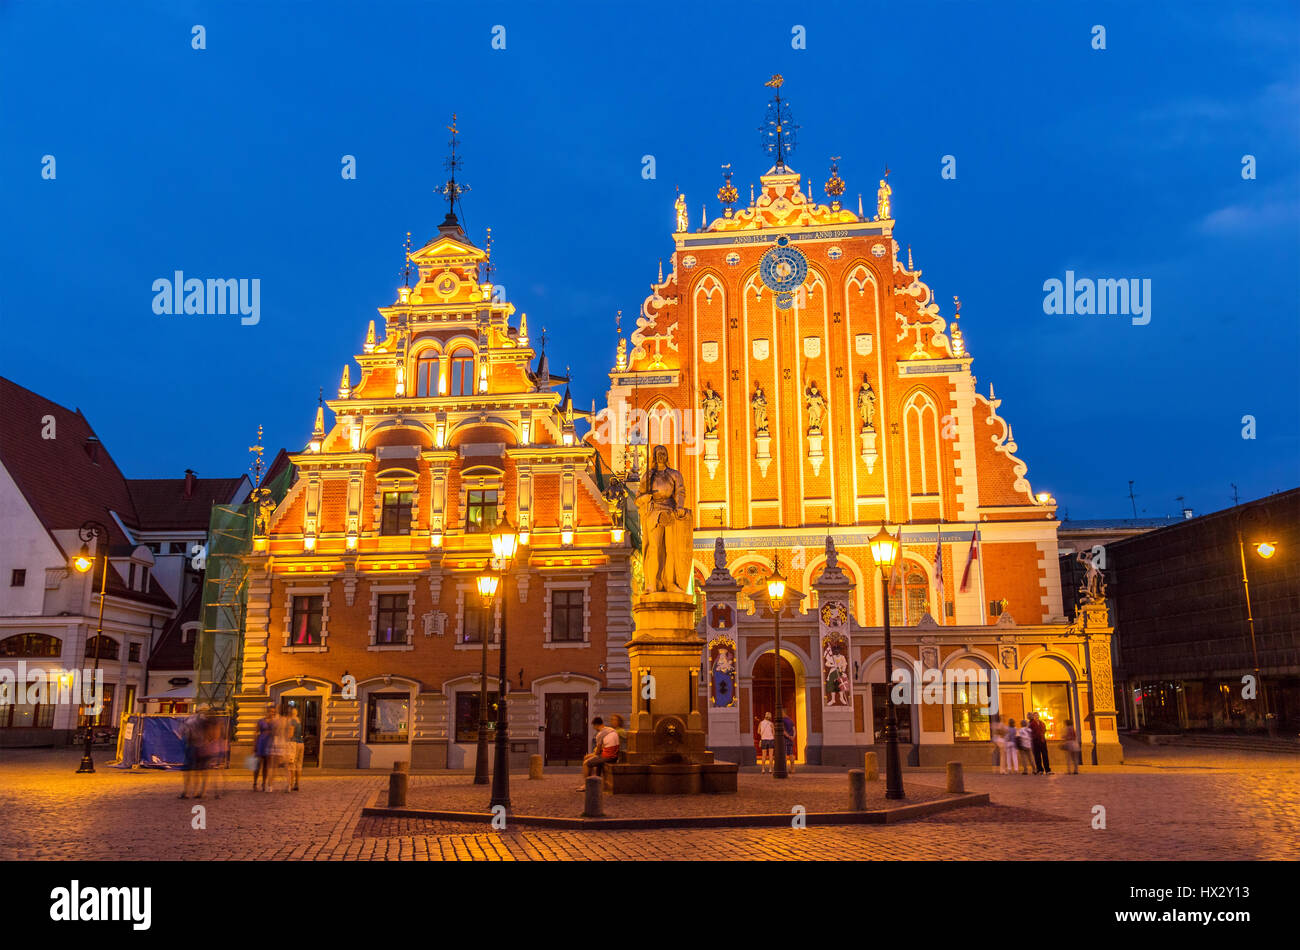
(938, 575)
(972, 556)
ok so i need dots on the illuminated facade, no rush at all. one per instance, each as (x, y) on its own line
(807, 384)
(362, 604)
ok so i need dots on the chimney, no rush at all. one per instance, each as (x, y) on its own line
(1187, 514)
(189, 483)
(92, 448)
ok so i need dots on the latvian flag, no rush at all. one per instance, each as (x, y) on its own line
(972, 556)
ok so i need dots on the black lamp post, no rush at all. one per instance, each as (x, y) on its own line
(1265, 549)
(884, 551)
(487, 588)
(504, 544)
(83, 563)
(776, 599)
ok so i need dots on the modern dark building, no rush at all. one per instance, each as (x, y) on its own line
(1183, 632)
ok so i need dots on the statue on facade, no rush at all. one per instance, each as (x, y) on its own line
(680, 205)
(866, 403)
(1093, 588)
(666, 527)
(815, 403)
(758, 402)
(882, 198)
(711, 402)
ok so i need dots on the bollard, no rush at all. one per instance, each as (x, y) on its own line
(593, 806)
(534, 766)
(870, 766)
(857, 790)
(956, 785)
(397, 780)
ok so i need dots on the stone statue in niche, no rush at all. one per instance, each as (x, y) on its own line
(866, 403)
(815, 403)
(666, 527)
(711, 403)
(758, 402)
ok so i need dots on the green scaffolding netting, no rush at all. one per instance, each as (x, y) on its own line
(225, 596)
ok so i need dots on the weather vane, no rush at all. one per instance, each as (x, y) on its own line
(778, 130)
(452, 190)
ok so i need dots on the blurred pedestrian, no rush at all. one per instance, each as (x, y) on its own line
(1025, 746)
(1010, 758)
(294, 728)
(787, 725)
(262, 747)
(1038, 734)
(278, 751)
(766, 742)
(190, 728)
(1071, 745)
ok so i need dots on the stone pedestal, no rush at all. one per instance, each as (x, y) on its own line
(869, 454)
(711, 458)
(815, 450)
(666, 742)
(763, 450)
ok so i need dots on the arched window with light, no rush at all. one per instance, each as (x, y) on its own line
(462, 372)
(426, 374)
(909, 593)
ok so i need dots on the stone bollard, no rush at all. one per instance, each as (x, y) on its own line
(956, 783)
(593, 806)
(871, 767)
(857, 790)
(397, 781)
(534, 766)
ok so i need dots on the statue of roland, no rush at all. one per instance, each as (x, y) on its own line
(666, 527)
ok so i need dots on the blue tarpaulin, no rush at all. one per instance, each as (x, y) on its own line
(154, 742)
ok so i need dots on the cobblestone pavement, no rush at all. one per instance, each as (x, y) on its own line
(1163, 803)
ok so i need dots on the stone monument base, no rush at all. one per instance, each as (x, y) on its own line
(673, 778)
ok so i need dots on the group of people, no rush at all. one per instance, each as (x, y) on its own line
(606, 744)
(207, 749)
(1024, 746)
(766, 731)
(278, 749)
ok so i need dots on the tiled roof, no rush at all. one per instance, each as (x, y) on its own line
(61, 481)
(161, 503)
(170, 653)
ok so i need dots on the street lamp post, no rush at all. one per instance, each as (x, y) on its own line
(83, 563)
(1265, 549)
(487, 588)
(884, 551)
(504, 544)
(776, 597)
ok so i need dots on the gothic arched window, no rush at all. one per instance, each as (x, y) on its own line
(909, 594)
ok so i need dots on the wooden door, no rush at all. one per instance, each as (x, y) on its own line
(566, 728)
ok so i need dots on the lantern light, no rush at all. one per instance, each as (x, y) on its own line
(1266, 549)
(884, 550)
(776, 585)
(504, 540)
(487, 585)
(82, 561)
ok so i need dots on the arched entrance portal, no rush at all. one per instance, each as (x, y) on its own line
(793, 695)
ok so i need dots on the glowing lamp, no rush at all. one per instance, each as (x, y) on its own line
(776, 586)
(1266, 549)
(566, 538)
(487, 585)
(355, 436)
(352, 542)
(568, 438)
(617, 534)
(403, 294)
(436, 539)
(523, 538)
(82, 562)
(314, 445)
(309, 542)
(884, 550)
(1043, 497)
(504, 541)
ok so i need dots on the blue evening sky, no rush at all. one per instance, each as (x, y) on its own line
(225, 162)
